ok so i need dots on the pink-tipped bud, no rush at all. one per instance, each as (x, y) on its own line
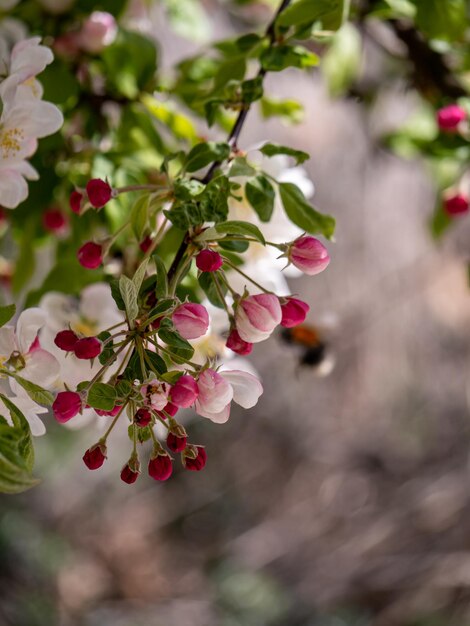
(111, 413)
(191, 320)
(143, 417)
(87, 348)
(98, 192)
(184, 392)
(294, 312)
(236, 343)
(90, 255)
(449, 117)
(95, 456)
(176, 443)
(66, 405)
(98, 31)
(169, 409)
(309, 255)
(66, 340)
(257, 316)
(129, 475)
(145, 244)
(209, 261)
(194, 458)
(54, 221)
(76, 201)
(456, 205)
(161, 467)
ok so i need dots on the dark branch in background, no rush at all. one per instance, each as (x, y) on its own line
(232, 138)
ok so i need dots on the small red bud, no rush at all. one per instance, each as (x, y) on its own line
(175, 443)
(54, 221)
(87, 348)
(161, 467)
(209, 261)
(95, 456)
(111, 413)
(145, 244)
(184, 392)
(199, 462)
(99, 192)
(294, 312)
(142, 418)
(66, 405)
(66, 340)
(169, 408)
(76, 201)
(456, 205)
(236, 343)
(90, 255)
(129, 475)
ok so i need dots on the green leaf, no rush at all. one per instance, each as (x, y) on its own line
(35, 392)
(204, 153)
(341, 63)
(278, 58)
(289, 111)
(272, 149)
(176, 344)
(129, 296)
(252, 90)
(440, 19)
(301, 213)
(102, 396)
(188, 19)
(260, 194)
(306, 12)
(236, 227)
(143, 434)
(240, 167)
(161, 289)
(116, 294)
(161, 307)
(107, 351)
(234, 246)
(139, 275)
(158, 365)
(207, 283)
(139, 216)
(6, 313)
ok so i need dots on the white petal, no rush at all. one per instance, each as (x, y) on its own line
(7, 341)
(13, 188)
(217, 418)
(246, 388)
(41, 368)
(27, 327)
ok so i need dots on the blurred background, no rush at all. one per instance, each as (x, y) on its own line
(337, 501)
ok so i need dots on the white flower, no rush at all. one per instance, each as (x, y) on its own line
(28, 407)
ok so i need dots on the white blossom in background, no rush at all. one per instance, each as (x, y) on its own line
(25, 117)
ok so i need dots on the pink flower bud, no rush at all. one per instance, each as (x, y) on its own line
(184, 392)
(90, 255)
(191, 320)
(449, 117)
(236, 343)
(87, 348)
(309, 255)
(257, 316)
(66, 340)
(294, 312)
(170, 409)
(195, 464)
(98, 192)
(66, 405)
(95, 456)
(456, 205)
(209, 261)
(76, 201)
(129, 475)
(161, 467)
(142, 418)
(54, 221)
(176, 443)
(98, 31)
(111, 413)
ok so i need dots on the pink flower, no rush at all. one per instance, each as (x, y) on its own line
(95, 456)
(456, 205)
(184, 392)
(294, 312)
(66, 340)
(90, 255)
(98, 192)
(66, 405)
(309, 255)
(217, 390)
(449, 117)
(257, 316)
(55, 221)
(76, 201)
(87, 348)
(236, 343)
(195, 458)
(191, 320)
(155, 394)
(98, 31)
(161, 467)
(209, 261)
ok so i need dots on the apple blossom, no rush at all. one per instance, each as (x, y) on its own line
(257, 316)
(98, 31)
(309, 255)
(155, 394)
(191, 320)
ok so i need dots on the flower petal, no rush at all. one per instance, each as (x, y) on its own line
(246, 388)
